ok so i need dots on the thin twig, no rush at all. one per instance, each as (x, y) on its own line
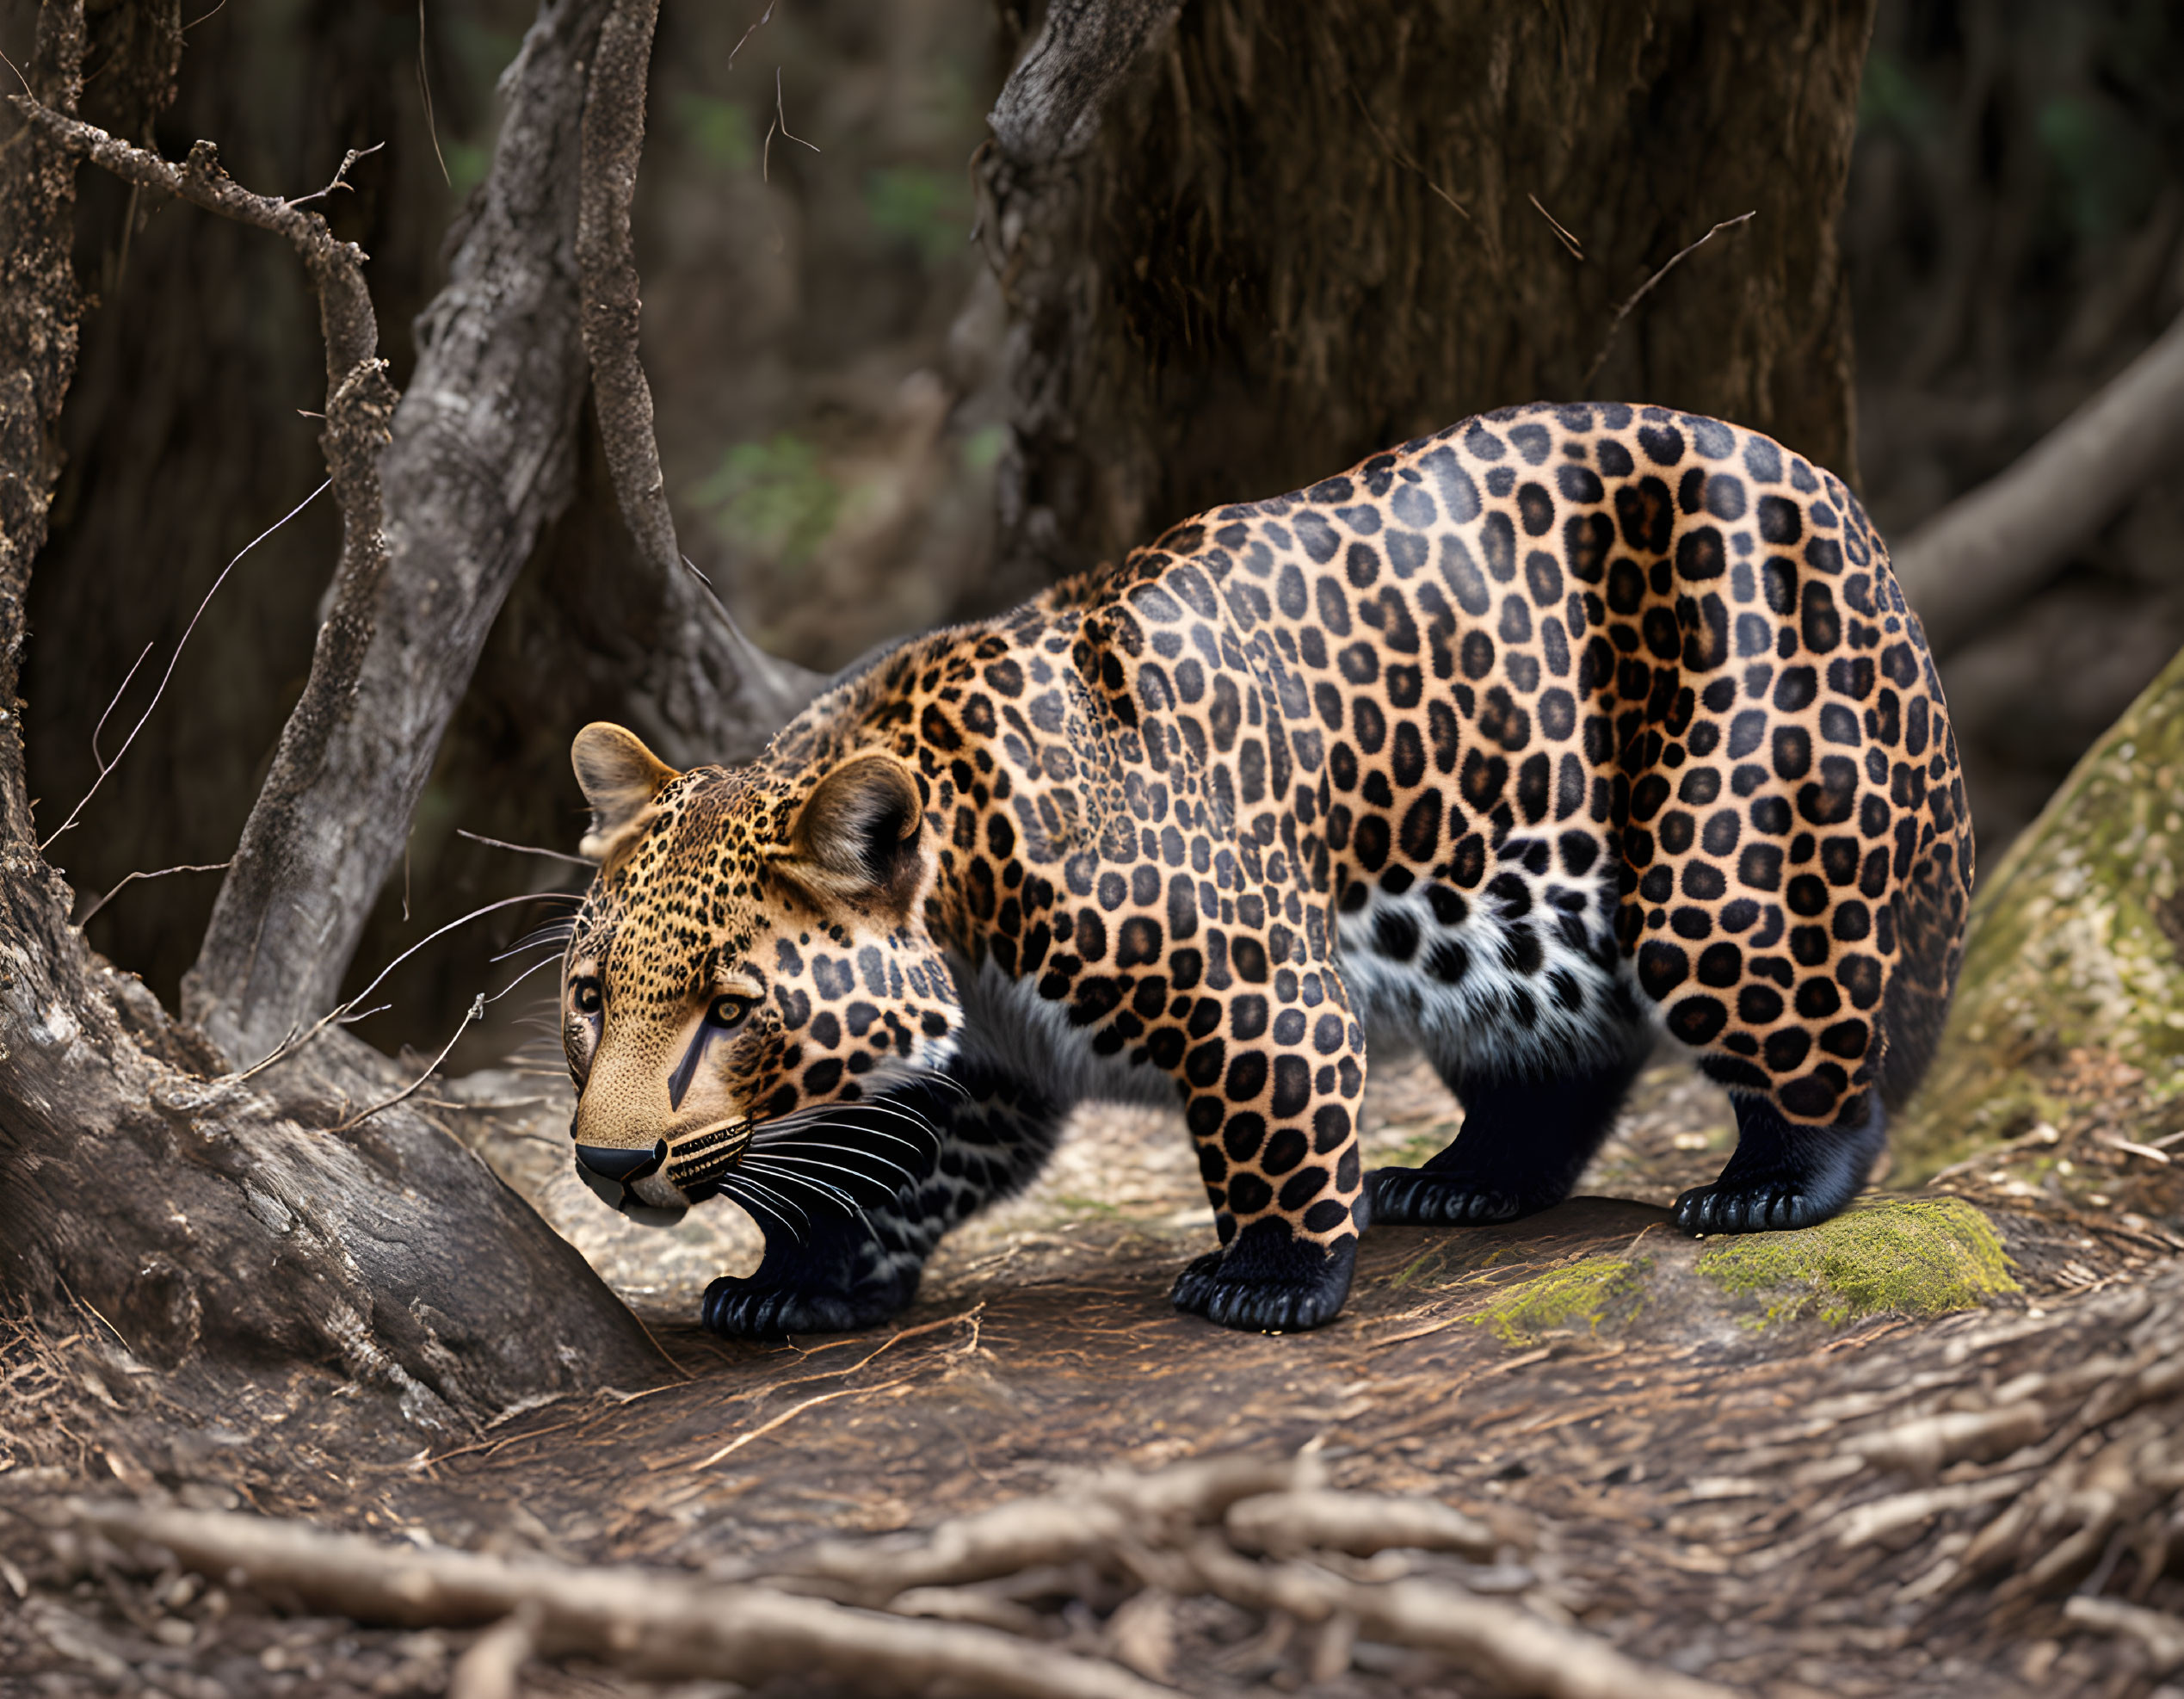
(114, 702)
(424, 88)
(1646, 288)
(108, 767)
(340, 179)
(193, 866)
(524, 849)
(780, 123)
(1577, 248)
(762, 17)
(477, 1012)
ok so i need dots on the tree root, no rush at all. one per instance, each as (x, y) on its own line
(907, 1617)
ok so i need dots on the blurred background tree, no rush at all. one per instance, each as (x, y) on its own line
(825, 342)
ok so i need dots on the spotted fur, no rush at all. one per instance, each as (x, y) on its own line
(1519, 744)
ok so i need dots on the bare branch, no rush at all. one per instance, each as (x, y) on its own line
(757, 694)
(482, 453)
(105, 766)
(663, 1624)
(128, 880)
(1986, 550)
(1050, 108)
(475, 1012)
(521, 848)
(1517, 1649)
(1646, 288)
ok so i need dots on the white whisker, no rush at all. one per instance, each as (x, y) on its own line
(520, 978)
(797, 1146)
(774, 1159)
(745, 1193)
(825, 1188)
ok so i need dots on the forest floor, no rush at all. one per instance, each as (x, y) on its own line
(1870, 1459)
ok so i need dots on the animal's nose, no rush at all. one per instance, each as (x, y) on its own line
(611, 1162)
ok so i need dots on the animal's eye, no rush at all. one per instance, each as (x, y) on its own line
(729, 1012)
(587, 996)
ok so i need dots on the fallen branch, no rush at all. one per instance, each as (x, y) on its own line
(2161, 1634)
(651, 1624)
(1988, 549)
(1287, 1525)
(1520, 1652)
(901, 1614)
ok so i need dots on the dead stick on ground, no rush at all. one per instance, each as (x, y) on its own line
(1518, 1651)
(657, 1624)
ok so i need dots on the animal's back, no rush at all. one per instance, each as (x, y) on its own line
(1575, 711)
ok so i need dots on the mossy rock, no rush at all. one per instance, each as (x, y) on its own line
(1598, 1294)
(2074, 974)
(1922, 1256)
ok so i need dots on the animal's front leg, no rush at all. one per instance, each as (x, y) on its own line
(1273, 1103)
(852, 1206)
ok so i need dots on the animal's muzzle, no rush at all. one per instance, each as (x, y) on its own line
(611, 1170)
(704, 1157)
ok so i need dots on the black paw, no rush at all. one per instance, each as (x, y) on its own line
(1751, 1206)
(1269, 1281)
(751, 1309)
(1419, 1197)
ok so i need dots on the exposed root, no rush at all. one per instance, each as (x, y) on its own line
(906, 1615)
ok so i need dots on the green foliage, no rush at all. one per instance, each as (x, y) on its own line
(1599, 1293)
(772, 497)
(1924, 1256)
(929, 209)
(718, 131)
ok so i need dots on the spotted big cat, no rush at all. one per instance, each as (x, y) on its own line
(1521, 745)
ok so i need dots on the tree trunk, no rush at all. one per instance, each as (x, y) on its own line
(1246, 250)
(288, 1217)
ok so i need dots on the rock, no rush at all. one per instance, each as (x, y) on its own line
(2070, 1008)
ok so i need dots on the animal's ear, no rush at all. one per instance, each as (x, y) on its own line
(859, 833)
(620, 777)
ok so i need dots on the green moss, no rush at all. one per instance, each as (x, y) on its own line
(1600, 1292)
(1918, 1256)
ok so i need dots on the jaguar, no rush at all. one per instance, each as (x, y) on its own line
(1529, 746)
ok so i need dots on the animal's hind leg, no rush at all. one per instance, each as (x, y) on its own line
(851, 1206)
(1524, 1142)
(1785, 1174)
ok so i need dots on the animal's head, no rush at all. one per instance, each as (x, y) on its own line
(749, 965)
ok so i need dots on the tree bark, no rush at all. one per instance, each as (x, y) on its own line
(1277, 239)
(218, 1216)
(482, 455)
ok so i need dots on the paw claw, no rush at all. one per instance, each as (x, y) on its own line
(1419, 1197)
(1765, 1207)
(1302, 1287)
(742, 1309)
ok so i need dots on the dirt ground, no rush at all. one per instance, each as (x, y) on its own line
(1681, 1462)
